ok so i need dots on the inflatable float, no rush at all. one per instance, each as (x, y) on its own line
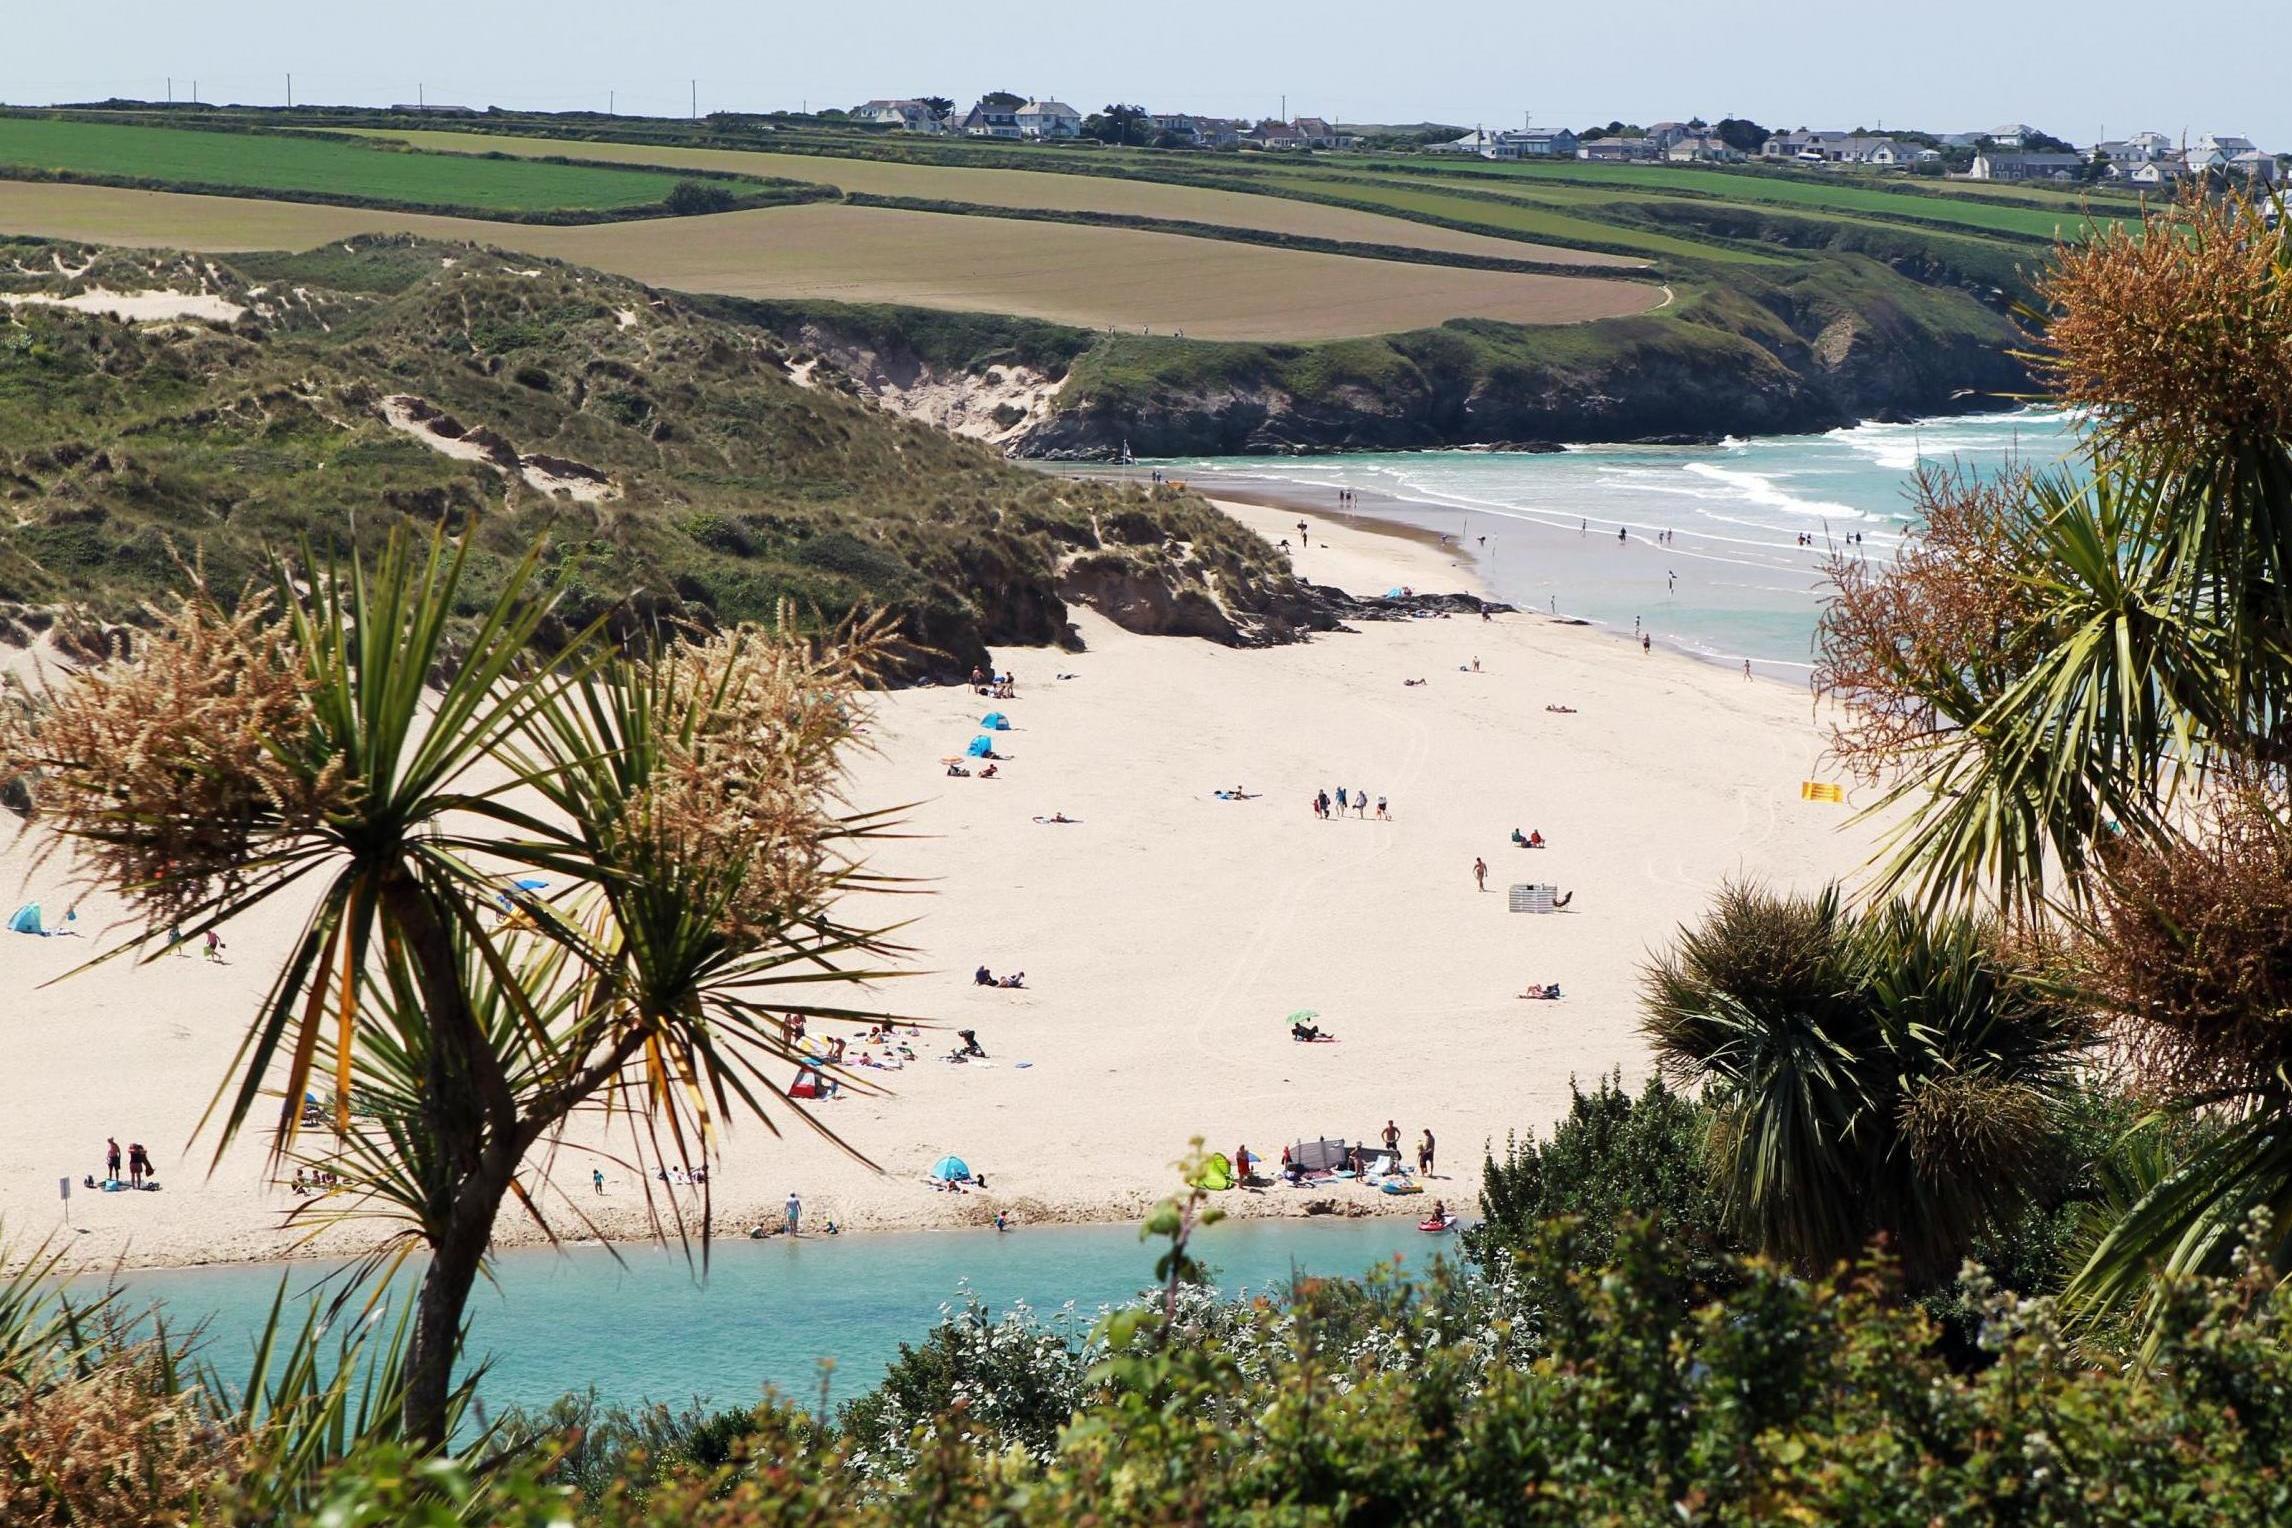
(1445, 1223)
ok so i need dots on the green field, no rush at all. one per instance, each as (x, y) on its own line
(333, 169)
(1838, 194)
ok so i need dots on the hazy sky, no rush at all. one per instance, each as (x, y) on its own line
(1946, 64)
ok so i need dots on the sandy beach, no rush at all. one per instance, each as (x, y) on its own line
(1164, 933)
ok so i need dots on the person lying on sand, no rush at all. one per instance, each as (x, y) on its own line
(1410, 684)
(957, 771)
(1308, 1033)
(1015, 979)
(1058, 817)
(1561, 710)
(1236, 794)
(1548, 992)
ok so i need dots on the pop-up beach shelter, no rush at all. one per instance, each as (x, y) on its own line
(981, 746)
(951, 1169)
(1217, 1173)
(27, 920)
(995, 721)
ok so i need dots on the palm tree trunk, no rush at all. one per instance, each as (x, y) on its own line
(471, 1115)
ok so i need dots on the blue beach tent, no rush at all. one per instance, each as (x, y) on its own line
(27, 920)
(996, 720)
(981, 746)
(951, 1170)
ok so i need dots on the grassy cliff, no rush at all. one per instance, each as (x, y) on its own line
(680, 463)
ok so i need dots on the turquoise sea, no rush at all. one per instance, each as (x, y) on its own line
(1733, 580)
(649, 1326)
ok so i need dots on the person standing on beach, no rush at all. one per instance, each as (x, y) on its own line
(138, 1163)
(1392, 1138)
(111, 1158)
(1645, 643)
(795, 1211)
(1382, 814)
(597, 1176)
(1746, 668)
(1302, 539)
(1340, 800)
(1425, 1155)
(1480, 872)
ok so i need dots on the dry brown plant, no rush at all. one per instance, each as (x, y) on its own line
(2190, 954)
(113, 1446)
(163, 769)
(1939, 621)
(743, 797)
(2176, 334)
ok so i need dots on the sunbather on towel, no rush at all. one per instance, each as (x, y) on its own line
(1307, 1032)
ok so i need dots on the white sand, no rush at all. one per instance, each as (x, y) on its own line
(137, 307)
(1164, 936)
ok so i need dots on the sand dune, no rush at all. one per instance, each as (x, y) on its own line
(1164, 935)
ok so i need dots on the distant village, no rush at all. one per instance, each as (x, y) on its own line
(2013, 152)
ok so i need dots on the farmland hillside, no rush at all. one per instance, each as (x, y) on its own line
(1063, 300)
(686, 467)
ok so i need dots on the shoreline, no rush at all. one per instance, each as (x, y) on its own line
(1162, 935)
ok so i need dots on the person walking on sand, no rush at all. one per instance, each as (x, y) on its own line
(111, 1158)
(1382, 814)
(597, 1177)
(1480, 872)
(1646, 643)
(1425, 1155)
(795, 1211)
(1746, 668)
(214, 947)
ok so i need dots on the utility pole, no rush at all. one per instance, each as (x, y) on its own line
(290, 92)
(696, 100)
(609, 104)
(171, 90)
(421, 101)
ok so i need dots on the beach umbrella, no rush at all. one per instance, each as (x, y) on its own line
(1303, 1016)
(951, 1170)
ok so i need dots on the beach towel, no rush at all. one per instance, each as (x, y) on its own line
(1817, 790)
(981, 746)
(27, 920)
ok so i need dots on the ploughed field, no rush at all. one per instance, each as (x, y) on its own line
(1092, 277)
(1030, 191)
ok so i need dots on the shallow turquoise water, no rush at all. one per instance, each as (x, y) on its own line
(649, 1328)
(1732, 582)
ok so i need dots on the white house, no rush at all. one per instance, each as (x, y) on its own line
(1049, 119)
(1702, 150)
(2152, 172)
(2255, 166)
(1538, 144)
(1617, 150)
(1664, 134)
(907, 116)
(1997, 166)
(984, 121)
(2013, 135)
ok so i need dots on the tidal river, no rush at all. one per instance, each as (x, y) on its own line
(649, 1327)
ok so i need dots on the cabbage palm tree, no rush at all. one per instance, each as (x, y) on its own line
(353, 736)
(1871, 1072)
(2082, 687)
